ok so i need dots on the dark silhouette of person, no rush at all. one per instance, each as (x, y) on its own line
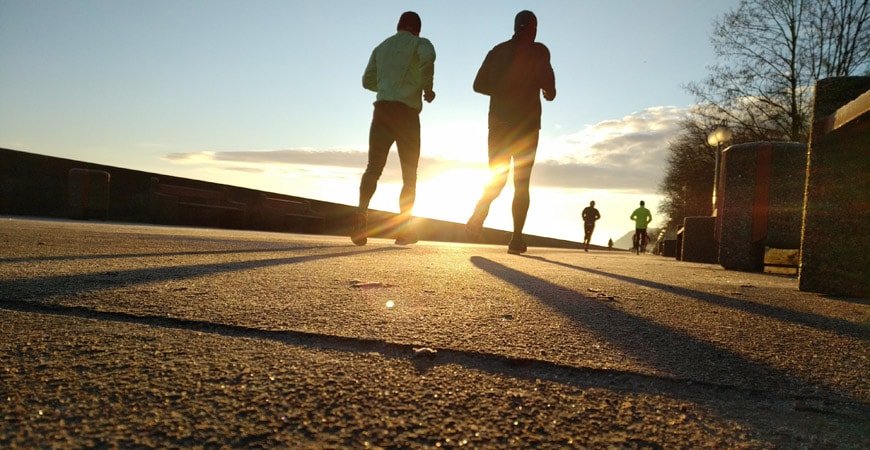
(401, 70)
(513, 75)
(590, 215)
(641, 217)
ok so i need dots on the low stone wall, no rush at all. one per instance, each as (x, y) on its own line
(45, 186)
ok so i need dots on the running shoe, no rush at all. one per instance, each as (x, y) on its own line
(359, 230)
(408, 236)
(517, 246)
(474, 227)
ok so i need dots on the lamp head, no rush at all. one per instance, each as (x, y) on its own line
(719, 136)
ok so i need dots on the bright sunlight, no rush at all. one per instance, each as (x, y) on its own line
(451, 194)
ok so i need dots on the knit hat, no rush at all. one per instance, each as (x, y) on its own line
(409, 21)
(525, 20)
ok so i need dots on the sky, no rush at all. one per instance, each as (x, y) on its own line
(267, 95)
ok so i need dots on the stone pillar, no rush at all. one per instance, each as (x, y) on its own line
(835, 256)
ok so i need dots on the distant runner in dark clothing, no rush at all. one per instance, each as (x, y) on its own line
(590, 215)
(514, 74)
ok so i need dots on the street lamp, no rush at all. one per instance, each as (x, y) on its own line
(716, 138)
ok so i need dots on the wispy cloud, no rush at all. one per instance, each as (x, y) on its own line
(627, 155)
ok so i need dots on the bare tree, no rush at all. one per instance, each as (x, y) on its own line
(838, 42)
(757, 82)
(687, 183)
(771, 54)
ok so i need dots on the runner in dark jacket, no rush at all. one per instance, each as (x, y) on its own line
(514, 75)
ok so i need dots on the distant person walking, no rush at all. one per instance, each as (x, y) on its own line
(641, 217)
(514, 74)
(590, 215)
(401, 70)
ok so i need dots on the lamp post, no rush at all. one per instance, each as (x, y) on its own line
(716, 138)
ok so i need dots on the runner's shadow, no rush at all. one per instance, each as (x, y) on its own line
(669, 351)
(824, 323)
(40, 288)
(154, 254)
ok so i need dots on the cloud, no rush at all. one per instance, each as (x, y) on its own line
(253, 170)
(627, 154)
(624, 155)
(298, 156)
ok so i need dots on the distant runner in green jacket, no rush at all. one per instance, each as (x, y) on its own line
(641, 217)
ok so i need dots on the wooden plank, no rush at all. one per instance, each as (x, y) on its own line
(846, 114)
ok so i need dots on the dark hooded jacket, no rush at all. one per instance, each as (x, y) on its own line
(513, 75)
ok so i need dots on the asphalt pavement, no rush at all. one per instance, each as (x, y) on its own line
(136, 336)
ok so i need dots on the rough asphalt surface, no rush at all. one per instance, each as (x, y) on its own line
(132, 336)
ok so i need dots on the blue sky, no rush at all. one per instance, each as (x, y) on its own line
(267, 94)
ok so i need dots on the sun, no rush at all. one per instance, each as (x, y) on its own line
(450, 194)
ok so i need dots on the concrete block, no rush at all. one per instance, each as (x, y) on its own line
(761, 201)
(88, 195)
(669, 248)
(699, 244)
(835, 258)
(678, 251)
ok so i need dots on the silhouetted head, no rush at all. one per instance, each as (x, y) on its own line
(526, 25)
(642, 203)
(410, 22)
(592, 203)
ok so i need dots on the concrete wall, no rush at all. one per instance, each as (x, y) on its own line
(835, 254)
(41, 186)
